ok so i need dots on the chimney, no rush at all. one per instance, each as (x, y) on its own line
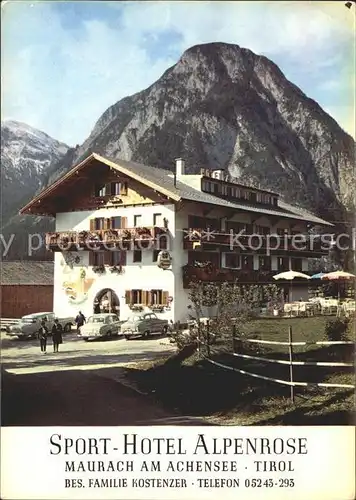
(180, 167)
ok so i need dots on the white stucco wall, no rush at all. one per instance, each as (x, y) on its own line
(145, 275)
(181, 295)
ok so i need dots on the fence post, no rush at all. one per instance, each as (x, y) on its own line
(199, 337)
(234, 338)
(208, 338)
(290, 335)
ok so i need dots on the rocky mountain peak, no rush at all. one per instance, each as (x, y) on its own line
(26, 155)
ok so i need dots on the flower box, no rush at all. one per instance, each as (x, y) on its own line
(99, 269)
(116, 269)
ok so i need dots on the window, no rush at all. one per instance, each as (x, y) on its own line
(275, 202)
(162, 242)
(137, 220)
(157, 220)
(282, 231)
(155, 255)
(116, 257)
(233, 260)
(107, 258)
(116, 222)
(137, 256)
(236, 227)
(253, 197)
(98, 258)
(197, 222)
(283, 263)
(262, 229)
(137, 296)
(111, 189)
(115, 188)
(100, 190)
(247, 262)
(264, 263)
(156, 297)
(99, 223)
(297, 265)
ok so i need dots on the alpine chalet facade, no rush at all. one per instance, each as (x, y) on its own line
(130, 236)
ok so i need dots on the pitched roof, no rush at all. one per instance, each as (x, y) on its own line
(27, 272)
(162, 181)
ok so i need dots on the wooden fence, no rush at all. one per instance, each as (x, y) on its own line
(291, 362)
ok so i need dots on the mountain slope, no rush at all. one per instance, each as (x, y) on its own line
(26, 156)
(223, 106)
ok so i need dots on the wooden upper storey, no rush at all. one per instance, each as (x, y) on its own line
(98, 182)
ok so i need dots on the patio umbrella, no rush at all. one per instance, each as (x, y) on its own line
(338, 276)
(317, 276)
(289, 276)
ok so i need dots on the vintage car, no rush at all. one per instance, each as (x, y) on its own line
(143, 325)
(100, 325)
(28, 326)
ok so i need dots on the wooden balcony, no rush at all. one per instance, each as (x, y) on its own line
(259, 243)
(211, 274)
(125, 239)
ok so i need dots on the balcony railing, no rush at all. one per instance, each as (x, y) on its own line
(212, 274)
(104, 238)
(277, 244)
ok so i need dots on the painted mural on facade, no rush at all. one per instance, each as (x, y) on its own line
(75, 280)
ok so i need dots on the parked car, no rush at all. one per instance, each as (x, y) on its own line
(143, 325)
(27, 327)
(100, 325)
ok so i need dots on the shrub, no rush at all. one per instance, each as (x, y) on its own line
(335, 329)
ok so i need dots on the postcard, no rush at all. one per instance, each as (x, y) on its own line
(178, 250)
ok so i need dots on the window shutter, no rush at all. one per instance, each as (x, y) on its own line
(145, 297)
(107, 224)
(92, 225)
(123, 222)
(128, 297)
(123, 258)
(91, 259)
(123, 188)
(107, 189)
(165, 298)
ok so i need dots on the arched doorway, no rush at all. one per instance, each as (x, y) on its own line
(106, 301)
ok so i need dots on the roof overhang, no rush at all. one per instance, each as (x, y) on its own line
(74, 171)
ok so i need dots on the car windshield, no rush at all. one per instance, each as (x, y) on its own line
(28, 320)
(135, 318)
(96, 319)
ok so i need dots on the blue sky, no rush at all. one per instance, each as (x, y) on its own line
(64, 63)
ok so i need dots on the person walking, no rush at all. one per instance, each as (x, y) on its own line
(80, 320)
(42, 335)
(56, 335)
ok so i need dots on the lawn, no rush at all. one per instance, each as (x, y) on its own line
(192, 385)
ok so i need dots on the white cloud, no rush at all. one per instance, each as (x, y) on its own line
(61, 80)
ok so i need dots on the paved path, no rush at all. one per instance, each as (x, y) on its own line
(80, 385)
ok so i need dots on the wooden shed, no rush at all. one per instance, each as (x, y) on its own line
(26, 287)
